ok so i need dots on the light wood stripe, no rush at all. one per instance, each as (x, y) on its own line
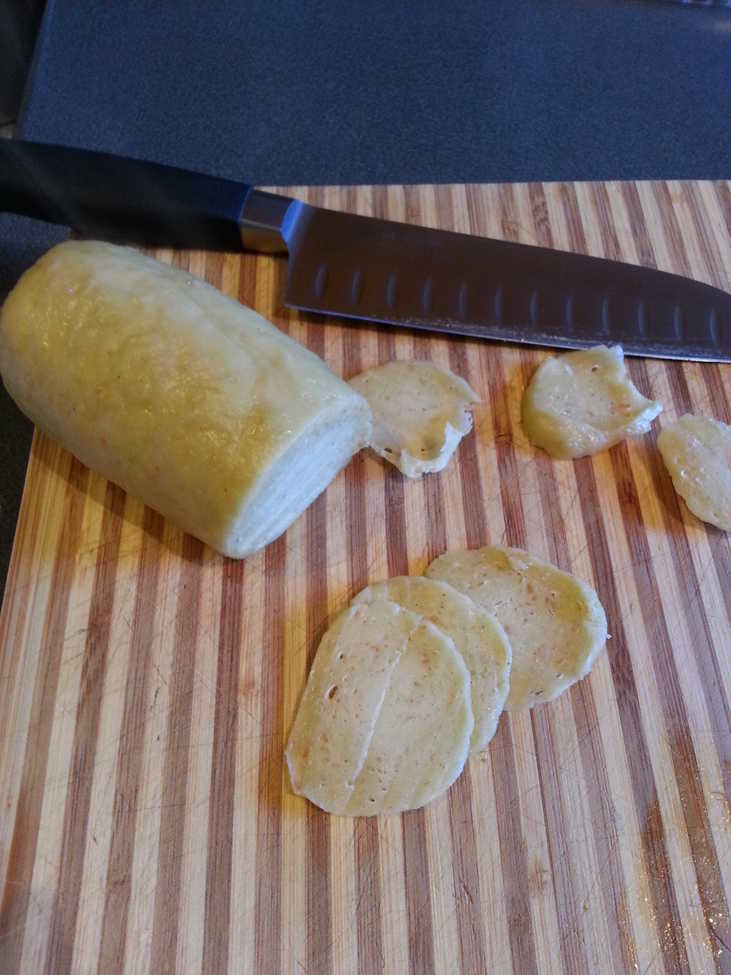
(147, 686)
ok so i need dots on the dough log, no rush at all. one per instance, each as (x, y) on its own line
(190, 401)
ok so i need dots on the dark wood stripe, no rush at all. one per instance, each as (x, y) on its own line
(171, 841)
(17, 885)
(514, 869)
(223, 769)
(216, 923)
(686, 576)
(670, 229)
(641, 238)
(666, 913)
(131, 744)
(607, 230)
(593, 760)
(723, 195)
(706, 240)
(512, 847)
(465, 872)
(317, 840)
(83, 755)
(512, 503)
(717, 541)
(413, 826)
(644, 790)
(473, 502)
(418, 893)
(573, 956)
(675, 715)
(678, 382)
(268, 857)
(716, 391)
(610, 879)
(367, 862)
(702, 645)
(574, 226)
(466, 875)
(368, 895)
(539, 212)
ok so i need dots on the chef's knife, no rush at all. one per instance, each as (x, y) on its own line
(376, 270)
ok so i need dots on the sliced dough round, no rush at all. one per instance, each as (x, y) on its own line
(555, 623)
(477, 635)
(422, 735)
(697, 453)
(385, 721)
(420, 413)
(348, 681)
(583, 402)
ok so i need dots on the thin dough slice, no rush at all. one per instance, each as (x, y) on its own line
(583, 402)
(477, 635)
(420, 413)
(555, 623)
(342, 700)
(697, 453)
(422, 735)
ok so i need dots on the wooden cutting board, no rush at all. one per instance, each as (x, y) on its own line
(147, 685)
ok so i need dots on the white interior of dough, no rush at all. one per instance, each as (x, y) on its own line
(296, 478)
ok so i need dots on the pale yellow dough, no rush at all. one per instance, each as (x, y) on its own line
(385, 721)
(697, 453)
(190, 401)
(477, 635)
(555, 623)
(344, 695)
(422, 736)
(420, 413)
(582, 402)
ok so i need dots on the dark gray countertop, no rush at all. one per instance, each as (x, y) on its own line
(351, 92)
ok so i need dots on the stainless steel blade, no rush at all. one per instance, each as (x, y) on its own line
(382, 271)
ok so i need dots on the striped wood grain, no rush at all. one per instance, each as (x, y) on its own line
(147, 685)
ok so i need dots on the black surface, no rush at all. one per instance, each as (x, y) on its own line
(20, 20)
(410, 91)
(313, 92)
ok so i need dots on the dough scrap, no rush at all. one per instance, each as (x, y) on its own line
(477, 635)
(420, 413)
(697, 453)
(555, 623)
(582, 402)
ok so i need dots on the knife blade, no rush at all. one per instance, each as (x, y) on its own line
(370, 269)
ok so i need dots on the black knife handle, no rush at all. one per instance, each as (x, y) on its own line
(120, 199)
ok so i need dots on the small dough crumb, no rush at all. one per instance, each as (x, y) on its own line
(583, 402)
(697, 453)
(420, 413)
